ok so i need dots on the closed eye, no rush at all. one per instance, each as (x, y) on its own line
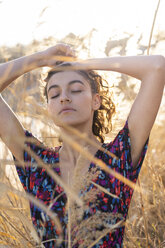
(72, 91)
(54, 96)
(76, 91)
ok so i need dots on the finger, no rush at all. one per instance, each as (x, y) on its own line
(71, 53)
(64, 48)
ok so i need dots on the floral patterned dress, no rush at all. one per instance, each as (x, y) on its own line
(108, 209)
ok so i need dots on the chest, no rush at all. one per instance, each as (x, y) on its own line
(71, 174)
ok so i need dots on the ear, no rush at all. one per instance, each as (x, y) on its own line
(96, 103)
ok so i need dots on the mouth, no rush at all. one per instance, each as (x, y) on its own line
(67, 110)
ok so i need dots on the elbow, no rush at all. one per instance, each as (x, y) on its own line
(160, 64)
(159, 68)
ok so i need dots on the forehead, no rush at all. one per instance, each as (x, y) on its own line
(63, 78)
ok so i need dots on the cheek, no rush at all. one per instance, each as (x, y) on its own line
(85, 103)
(52, 108)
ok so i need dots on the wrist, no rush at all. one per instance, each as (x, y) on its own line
(39, 59)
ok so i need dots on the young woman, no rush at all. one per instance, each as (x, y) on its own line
(78, 98)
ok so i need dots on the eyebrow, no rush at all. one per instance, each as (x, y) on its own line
(70, 83)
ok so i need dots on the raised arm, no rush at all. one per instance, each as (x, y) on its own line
(11, 130)
(151, 71)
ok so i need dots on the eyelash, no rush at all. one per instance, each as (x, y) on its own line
(54, 96)
(73, 91)
(76, 91)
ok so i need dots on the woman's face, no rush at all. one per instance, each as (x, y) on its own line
(70, 99)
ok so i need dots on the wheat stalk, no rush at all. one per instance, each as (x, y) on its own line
(152, 28)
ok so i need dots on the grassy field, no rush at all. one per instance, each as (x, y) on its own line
(145, 226)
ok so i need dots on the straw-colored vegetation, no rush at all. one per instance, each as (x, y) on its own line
(145, 226)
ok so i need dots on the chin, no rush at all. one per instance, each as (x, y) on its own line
(71, 122)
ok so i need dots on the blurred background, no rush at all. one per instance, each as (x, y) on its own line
(95, 29)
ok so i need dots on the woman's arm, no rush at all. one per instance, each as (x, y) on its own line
(151, 71)
(11, 130)
(12, 70)
(134, 66)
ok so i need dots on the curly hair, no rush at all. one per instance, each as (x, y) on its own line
(102, 117)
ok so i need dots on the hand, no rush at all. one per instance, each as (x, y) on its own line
(57, 54)
(76, 64)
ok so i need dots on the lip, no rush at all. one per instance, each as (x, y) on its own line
(66, 109)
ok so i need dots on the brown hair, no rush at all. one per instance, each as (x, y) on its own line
(102, 117)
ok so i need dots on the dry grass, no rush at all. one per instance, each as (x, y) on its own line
(145, 226)
(146, 214)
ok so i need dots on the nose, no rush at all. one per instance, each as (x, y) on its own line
(65, 98)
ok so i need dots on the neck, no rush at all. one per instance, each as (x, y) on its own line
(67, 152)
